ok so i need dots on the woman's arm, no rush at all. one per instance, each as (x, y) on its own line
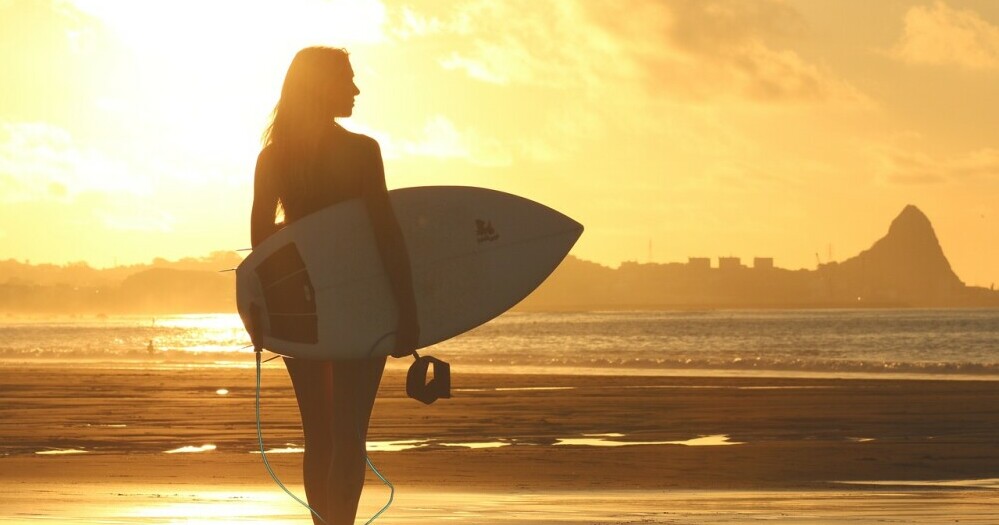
(395, 256)
(265, 200)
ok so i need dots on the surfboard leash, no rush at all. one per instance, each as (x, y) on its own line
(416, 387)
(363, 439)
(263, 453)
(258, 350)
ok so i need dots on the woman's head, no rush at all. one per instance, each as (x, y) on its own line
(318, 87)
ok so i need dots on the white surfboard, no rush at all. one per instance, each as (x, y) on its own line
(322, 291)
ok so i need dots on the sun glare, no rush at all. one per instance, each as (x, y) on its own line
(215, 507)
(218, 322)
(208, 73)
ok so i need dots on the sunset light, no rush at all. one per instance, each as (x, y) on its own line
(499, 262)
(131, 129)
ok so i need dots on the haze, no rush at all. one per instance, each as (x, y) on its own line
(794, 130)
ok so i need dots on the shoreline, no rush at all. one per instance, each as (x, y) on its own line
(259, 505)
(490, 369)
(789, 440)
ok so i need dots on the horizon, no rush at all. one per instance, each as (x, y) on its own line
(714, 262)
(685, 130)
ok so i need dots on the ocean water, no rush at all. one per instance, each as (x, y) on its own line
(948, 342)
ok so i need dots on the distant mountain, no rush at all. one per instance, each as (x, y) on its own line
(906, 265)
(78, 274)
(191, 284)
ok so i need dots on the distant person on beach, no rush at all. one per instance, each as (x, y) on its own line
(309, 162)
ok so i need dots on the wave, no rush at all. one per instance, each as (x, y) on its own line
(946, 342)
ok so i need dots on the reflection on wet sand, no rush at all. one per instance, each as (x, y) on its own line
(800, 435)
(599, 440)
(397, 446)
(61, 452)
(211, 507)
(257, 505)
(514, 389)
(986, 484)
(285, 450)
(592, 440)
(190, 449)
(480, 444)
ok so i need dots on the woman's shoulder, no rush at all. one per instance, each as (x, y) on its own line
(356, 140)
(267, 154)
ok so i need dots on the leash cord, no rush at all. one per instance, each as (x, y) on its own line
(263, 454)
(357, 427)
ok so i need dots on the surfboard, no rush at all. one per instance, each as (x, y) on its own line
(322, 292)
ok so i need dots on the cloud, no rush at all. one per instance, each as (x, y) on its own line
(414, 24)
(713, 27)
(42, 162)
(765, 74)
(699, 48)
(940, 35)
(551, 44)
(674, 79)
(745, 49)
(912, 166)
(475, 68)
(442, 140)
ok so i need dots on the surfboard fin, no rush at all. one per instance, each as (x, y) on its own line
(417, 386)
(253, 328)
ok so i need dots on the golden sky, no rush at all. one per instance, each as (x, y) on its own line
(788, 129)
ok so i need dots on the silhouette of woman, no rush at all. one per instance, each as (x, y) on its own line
(309, 162)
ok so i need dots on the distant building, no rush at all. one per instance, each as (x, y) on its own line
(703, 263)
(729, 263)
(763, 263)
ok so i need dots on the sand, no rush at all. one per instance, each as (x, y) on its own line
(507, 448)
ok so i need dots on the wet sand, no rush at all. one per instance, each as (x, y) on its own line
(545, 448)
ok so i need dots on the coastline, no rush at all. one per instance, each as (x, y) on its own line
(508, 437)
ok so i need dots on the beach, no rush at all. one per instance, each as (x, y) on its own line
(134, 444)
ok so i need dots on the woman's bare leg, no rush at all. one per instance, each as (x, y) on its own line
(355, 384)
(335, 400)
(313, 381)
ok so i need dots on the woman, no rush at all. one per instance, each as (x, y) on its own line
(309, 162)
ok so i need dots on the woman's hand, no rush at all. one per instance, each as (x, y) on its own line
(407, 335)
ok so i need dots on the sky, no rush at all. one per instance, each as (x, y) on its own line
(671, 129)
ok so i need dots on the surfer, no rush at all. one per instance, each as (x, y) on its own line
(309, 162)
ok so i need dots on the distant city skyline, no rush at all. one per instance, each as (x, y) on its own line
(904, 268)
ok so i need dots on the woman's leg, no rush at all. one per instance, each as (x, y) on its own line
(355, 384)
(313, 381)
(335, 400)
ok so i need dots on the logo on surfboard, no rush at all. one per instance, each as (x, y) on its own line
(485, 231)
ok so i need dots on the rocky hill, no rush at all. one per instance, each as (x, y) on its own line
(905, 268)
(906, 265)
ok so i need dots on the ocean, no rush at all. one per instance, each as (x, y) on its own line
(948, 343)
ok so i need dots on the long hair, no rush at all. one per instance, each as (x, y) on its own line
(303, 113)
